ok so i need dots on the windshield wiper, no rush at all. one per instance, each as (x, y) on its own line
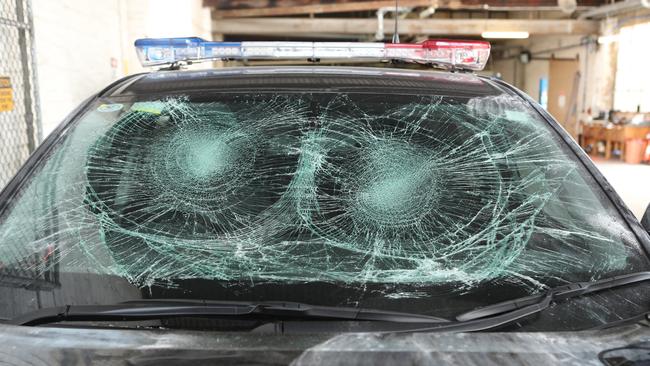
(555, 294)
(161, 309)
(506, 312)
(484, 318)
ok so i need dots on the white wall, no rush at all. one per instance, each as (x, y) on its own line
(83, 46)
(74, 44)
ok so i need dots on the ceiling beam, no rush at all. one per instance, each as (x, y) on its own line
(248, 9)
(461, 27)
(318, 8)
(614, 9)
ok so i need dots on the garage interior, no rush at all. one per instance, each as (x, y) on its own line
(585, 61)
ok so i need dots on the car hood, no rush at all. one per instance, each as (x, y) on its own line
(68, 346)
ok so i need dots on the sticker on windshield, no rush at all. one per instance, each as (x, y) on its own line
(154, 107)
(107, 108)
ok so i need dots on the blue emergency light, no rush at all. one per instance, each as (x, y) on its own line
(470, 55)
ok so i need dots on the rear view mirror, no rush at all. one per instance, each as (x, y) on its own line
(645, 220)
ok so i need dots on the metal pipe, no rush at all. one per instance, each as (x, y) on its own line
(613, 9)
(427, 12)
(380, 18)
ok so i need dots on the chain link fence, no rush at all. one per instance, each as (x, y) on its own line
(20, 127)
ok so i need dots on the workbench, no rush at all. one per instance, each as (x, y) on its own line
(614, 136)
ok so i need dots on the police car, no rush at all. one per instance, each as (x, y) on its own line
(317, 215)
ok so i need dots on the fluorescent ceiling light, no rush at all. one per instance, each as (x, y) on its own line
(505, 35)
(608, 39)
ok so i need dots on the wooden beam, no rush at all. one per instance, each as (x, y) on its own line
(263, 8)
(358, 26)
(319, 8)
(249, 4)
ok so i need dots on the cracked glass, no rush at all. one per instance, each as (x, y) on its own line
(399, 196)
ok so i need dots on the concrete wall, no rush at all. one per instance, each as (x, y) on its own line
(83, 46)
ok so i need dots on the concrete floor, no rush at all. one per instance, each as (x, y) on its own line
(631, 181)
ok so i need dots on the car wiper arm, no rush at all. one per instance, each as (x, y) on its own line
(160, 309)
(554, 294)
(507, 312)
(484, 318)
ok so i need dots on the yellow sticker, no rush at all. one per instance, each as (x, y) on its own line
(154, 107)
(6, 94)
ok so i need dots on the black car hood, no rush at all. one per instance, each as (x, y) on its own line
(67, 346)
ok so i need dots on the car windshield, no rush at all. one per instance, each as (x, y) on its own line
(432, 203)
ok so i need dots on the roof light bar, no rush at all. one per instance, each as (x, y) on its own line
(470, 55)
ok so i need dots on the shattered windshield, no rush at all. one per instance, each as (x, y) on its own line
(369, 196)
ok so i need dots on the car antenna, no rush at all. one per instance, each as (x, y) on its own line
(395, 34)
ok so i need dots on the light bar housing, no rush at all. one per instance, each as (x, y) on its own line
(449, 54)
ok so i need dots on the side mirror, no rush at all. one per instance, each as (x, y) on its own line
(645, 220)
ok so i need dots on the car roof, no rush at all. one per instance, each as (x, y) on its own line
(303, 78)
